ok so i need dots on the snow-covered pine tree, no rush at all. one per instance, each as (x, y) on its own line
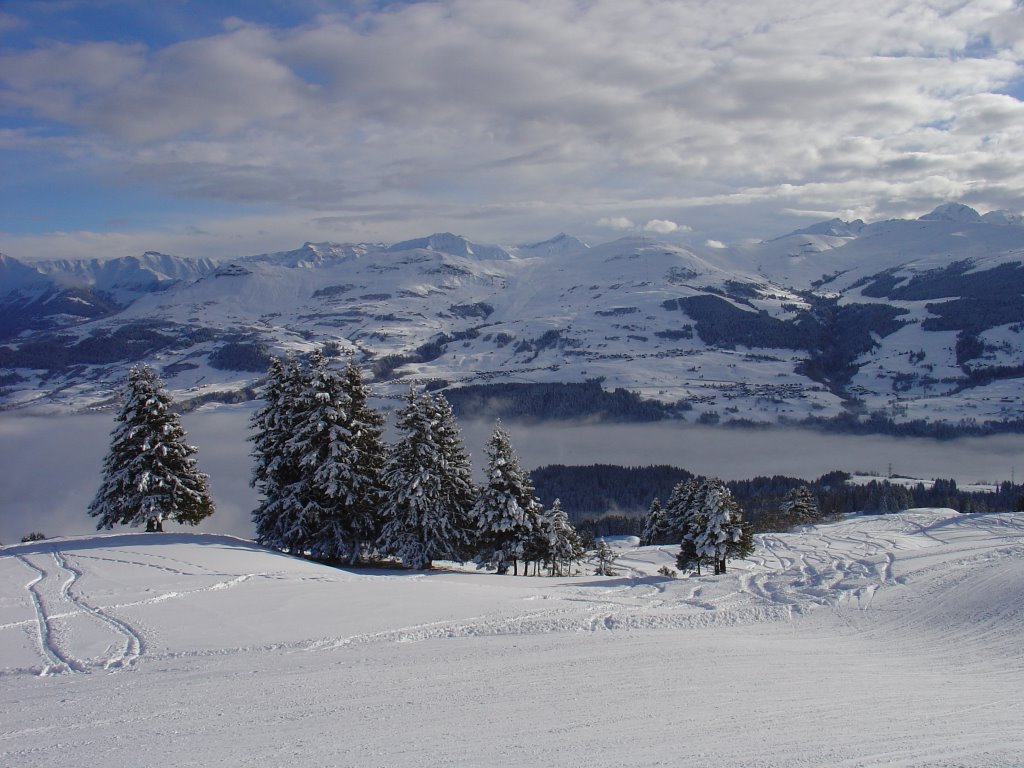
(460, 490)
(605, 557)
(150, 473)
(687, 520)
(336, 442)
(507, 513)
(654, 525)
(368, 454)
(723, 533)
(428, 487)
(563, 542)
(275, 472)
(679, 509)
(799, 506)
(317, 409)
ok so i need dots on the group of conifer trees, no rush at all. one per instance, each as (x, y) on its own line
(701, 516)
(333, 489)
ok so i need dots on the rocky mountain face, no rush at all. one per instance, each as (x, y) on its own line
(896, 320)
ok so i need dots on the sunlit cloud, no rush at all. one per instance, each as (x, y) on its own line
(608, 114)
(664, 227)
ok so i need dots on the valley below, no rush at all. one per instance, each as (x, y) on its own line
(53, 464)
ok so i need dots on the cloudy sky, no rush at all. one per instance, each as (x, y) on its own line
(218, 128)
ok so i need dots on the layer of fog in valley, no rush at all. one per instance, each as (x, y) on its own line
(50, 465)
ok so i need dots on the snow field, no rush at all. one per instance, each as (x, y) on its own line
(875, 641)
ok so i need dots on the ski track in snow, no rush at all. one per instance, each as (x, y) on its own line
(866, 642)
(134, 646)
(55, 608)
(841, 567)
(54, 659)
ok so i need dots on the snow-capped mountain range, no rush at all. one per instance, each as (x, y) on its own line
(910, 319)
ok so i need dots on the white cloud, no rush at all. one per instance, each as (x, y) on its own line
(615, 222)
(500, 111)
(664, 227)
(717, 244)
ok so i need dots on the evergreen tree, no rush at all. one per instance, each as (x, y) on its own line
(563, 543)
(688, 520)
(276, 472)
(679, 510)
(685, 518)
(313, 414)
(150, 473)
(800, 507)
(506, 511)
(336, 440)
(885, 497)
(605, 557)
(722, 533)
(460, 491)
(655, 528)
(428, 487)
(365, 461)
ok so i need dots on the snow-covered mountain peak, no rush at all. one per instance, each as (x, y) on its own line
(315, 254)
(1003, 219)
(955, 212)
(455, 245)
(558, 245)
(16, 276)
(126, 276)
(833, 227)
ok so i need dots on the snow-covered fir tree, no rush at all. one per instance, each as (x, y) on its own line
(428, 487)
(563, 544)
(365, 461)
(800, 507)
(340, 486)
(722, 533)
(681, 511)
(655, 528)
(276, 472)
(150, 473)
(604, 556)
(318, 456)
(507, 513)
(460, 490)
(316, 409)
(687, 520)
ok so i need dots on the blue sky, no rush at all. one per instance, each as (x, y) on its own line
(227, 128)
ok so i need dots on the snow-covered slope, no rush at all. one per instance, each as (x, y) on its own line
(874, 641)
(910, 320)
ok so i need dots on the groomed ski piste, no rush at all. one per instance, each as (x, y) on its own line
(873, 641)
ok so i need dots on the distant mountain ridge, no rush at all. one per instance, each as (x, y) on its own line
(903, 320)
